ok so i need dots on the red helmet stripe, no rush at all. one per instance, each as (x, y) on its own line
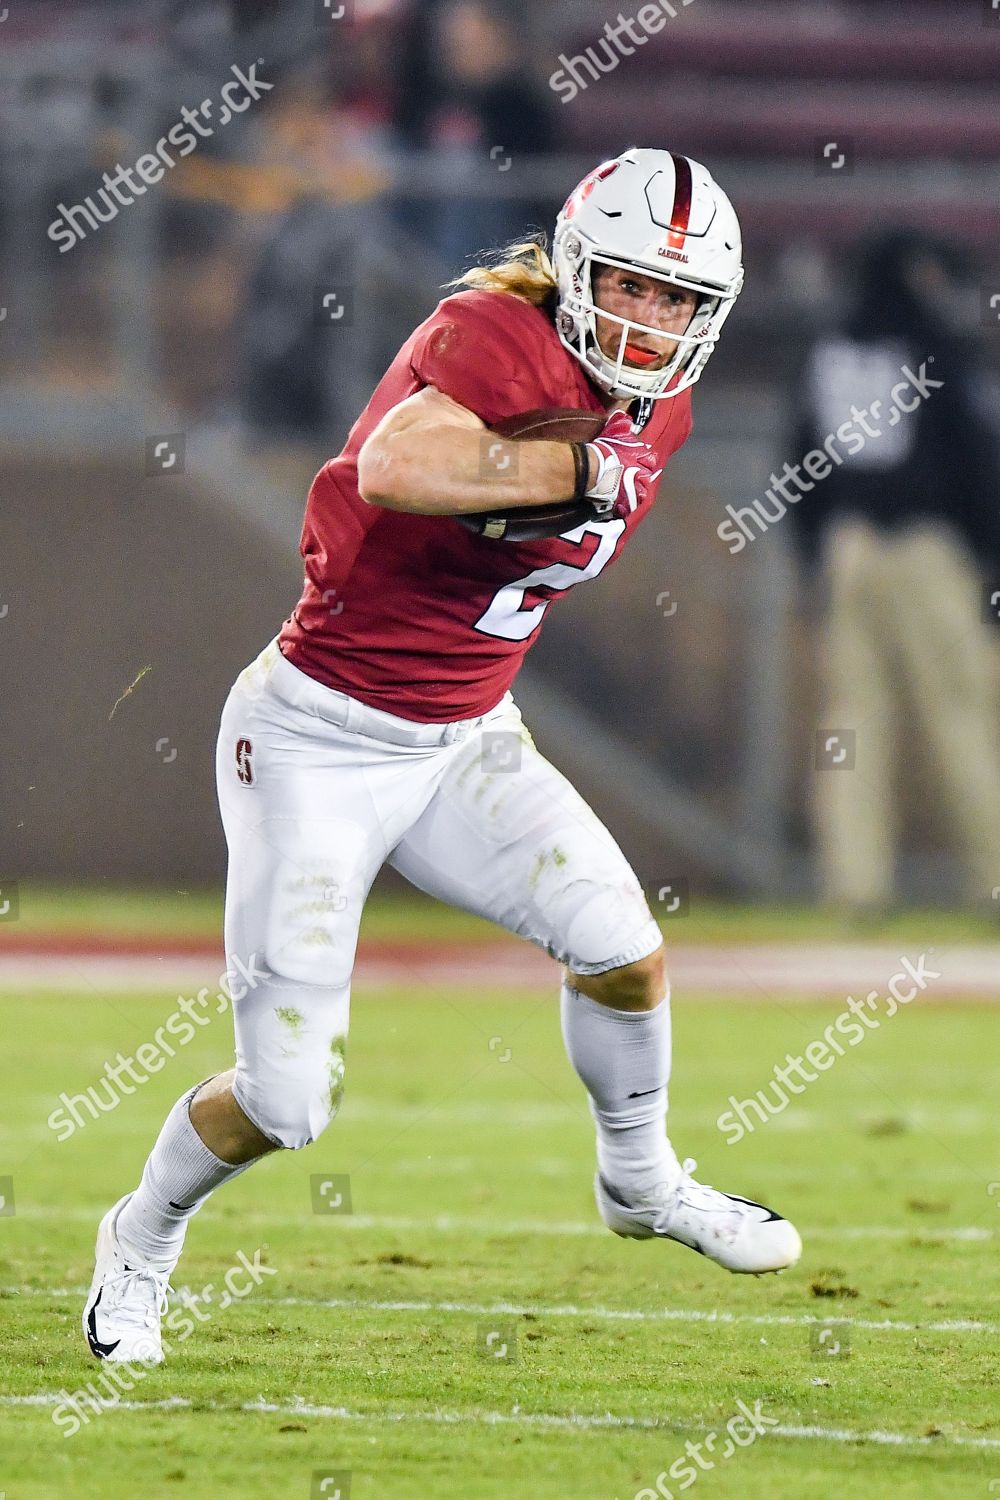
(681, 211)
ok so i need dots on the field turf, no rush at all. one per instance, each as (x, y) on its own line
(468, 1330)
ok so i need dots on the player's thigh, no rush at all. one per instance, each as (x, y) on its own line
(508, 837)
(304, 834)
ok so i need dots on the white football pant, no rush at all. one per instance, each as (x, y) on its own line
(317, 791)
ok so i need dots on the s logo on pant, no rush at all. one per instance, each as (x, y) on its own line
(244, 762)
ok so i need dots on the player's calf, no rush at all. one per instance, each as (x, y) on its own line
(617, 1035)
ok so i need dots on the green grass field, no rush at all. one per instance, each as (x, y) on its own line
(109, 908)
(368, 1349)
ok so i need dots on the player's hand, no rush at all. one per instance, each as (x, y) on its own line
(626, 468)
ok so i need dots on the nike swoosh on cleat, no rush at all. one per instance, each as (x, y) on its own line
(101, 1350)
(751, 1204)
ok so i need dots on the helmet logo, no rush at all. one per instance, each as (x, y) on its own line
(580, 194)
(673, 255)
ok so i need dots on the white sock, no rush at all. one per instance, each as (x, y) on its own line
(179, 1175)
(619, 1054)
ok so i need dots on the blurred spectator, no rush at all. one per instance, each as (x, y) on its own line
(307, 175)
(905, 532)
(466, 92)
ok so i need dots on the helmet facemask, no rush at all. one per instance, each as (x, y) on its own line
(577, 313)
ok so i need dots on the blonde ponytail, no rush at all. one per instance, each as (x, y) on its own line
(522, 269)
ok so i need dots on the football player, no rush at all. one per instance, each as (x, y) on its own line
(379, 725)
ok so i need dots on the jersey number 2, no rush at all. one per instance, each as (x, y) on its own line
(506, 615)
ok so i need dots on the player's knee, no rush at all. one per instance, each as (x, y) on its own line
(292, 1124)
(595, 904)
(636, 986)
(294, 1112)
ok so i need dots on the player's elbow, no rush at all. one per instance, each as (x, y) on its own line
(383, 477)
(376, 481)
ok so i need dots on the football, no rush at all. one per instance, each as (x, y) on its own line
(529, 523)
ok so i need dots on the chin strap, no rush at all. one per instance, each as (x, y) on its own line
(640, 410)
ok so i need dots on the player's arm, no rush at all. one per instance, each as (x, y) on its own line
(431, 455)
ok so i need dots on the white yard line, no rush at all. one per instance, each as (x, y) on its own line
(574, 1310)
(634, 1315)
(549, 1421)
(559, 1228)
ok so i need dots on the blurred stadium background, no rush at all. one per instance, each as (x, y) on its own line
(398, 140)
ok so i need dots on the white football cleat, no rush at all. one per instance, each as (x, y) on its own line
(741, 1235)
(121, 1317)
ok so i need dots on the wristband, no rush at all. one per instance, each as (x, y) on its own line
(581, 463)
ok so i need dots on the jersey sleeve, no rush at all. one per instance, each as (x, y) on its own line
(477, 348)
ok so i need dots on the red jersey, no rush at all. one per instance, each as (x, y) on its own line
(415, 614)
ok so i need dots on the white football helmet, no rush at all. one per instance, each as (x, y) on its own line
(661, 215)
